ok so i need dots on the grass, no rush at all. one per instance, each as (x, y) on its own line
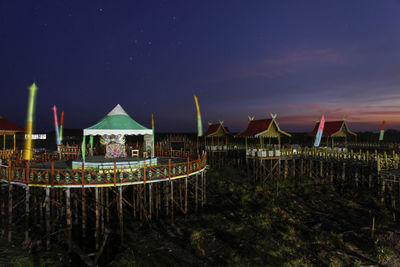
(292, 222)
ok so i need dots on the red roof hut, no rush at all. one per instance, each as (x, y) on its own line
(263, 128)
(334, 129)
(217, 130)
(8, 128)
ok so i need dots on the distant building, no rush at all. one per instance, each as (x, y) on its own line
(264, 128)
(218, 131)
(334, 129)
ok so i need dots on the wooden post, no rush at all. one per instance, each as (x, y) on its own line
(68, 215)
(172, 199)
(169, 169)
(121, 222)
(205, 187)
(107, 207)
(186, 194)
(26, 215)
(102, 210)
(96, 233)
(52, 174)
(133, 200)
(150, 200)
(47, 219)
(83, 212)
(166, 188)
(3, 211)
(383, 186)
(10, 210)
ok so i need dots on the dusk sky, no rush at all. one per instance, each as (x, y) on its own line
(300, 59)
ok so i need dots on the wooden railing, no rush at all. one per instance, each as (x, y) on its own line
(95, 177)
(383, 161)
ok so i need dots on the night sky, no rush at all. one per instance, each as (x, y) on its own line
(300, 59)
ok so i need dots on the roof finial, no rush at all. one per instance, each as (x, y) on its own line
(251, 118)
(221, 122)
(273, 115)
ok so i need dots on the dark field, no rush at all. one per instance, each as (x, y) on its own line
(293, 222)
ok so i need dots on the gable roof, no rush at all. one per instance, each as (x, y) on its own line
(8, 126)
(117, 121)
(217, 129)
(332, 128)
(257, 128)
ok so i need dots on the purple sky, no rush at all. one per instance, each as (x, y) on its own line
(300, 59)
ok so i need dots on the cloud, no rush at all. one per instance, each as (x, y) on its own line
(291, 61)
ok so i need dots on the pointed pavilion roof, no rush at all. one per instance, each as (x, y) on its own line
(9, 127)
(217, 130)
(264, 128)
(333, 128)
(117, 121)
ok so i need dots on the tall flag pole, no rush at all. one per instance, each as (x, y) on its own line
(199, 124)
(320, 131)
(56, 126)
(61, 126)
(29, 122)
(382, 131)
(152, 127)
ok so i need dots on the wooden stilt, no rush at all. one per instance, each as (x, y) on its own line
(97, 232)
(205, 187)
(186, 195)
(68, 216)
(10, 210)
(166, 187)
(150, 201)
(121, 222)
(102, 210)
(158, 199)
(40, 208)
(134, 200)
(196, 192)
(83, 204)
(48, 217)
(145, 215)
(107, 206)
(76, 219)
(27, 196)
(172, 199)
(3, 210)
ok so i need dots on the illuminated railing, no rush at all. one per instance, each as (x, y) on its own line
(96, 177)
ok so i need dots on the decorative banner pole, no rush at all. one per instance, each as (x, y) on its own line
(320, 131)
(199, 124)
(61, 126)
(382, 131)
(152, 127)
(83, 148)
(56, 127)
(29, 122)
(91, 144)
